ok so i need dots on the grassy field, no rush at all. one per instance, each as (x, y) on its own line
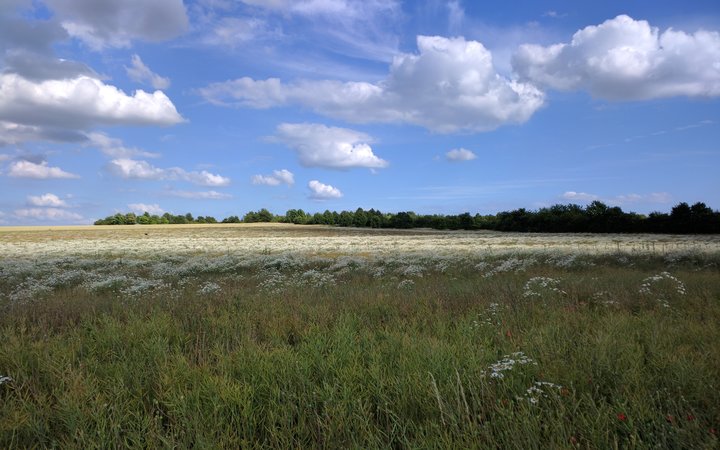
(282, 336)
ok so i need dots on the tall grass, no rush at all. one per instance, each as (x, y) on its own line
(367, 361)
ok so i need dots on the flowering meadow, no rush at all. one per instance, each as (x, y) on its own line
(289, 336)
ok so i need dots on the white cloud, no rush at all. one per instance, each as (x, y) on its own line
(450, 86)
(456, 16)
(362, 29)
(142, 208)
(116, 23)
(460, 154)
(660, 197)
(141, 73)
(204, 195)
(79, 103)
(320, 191)
(234, 31)
(623, 199)
(626, 59)
(337, 9)
(318, 145)
(579, 196)
(114, 147)
(554, 14)
(142, 170)
(29, 169)
(654, 197)
(48, 199)
(278, 177)
(52, 214)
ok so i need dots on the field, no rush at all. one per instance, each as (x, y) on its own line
(307, 336)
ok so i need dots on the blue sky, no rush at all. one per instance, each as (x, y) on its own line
(218, 107)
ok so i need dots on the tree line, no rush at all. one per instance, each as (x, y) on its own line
(596, 217)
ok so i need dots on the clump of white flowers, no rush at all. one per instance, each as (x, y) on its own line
(537, 286)
(489, 317)
(209, 288)
(406, 284)
(512, 264)
(538, 390)
(660, 285)
(507, 363)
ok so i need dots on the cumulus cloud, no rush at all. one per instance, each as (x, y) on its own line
(38, 171)
(318, 145)
(26, 48)
(278, 177)
(52, 214)
(450, 85)
(141, 73)
(321, 191)
(79, 103)
(142, 170)
(142, 208)
(116, 23)
(203, 195)
(626, 59)
(114, 147)
(48, 199)
(460, 154)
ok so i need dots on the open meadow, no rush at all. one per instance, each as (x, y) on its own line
(291, 336)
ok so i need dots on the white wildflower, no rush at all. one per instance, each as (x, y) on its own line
(537, 286)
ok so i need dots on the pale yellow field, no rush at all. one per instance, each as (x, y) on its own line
(253, 239)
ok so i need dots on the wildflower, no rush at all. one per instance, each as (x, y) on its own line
(536, 286)
(405, 284)
(507, 363)
(622, 417)
(573, 440)
(670, 419)
(690, 417)
(713, 431)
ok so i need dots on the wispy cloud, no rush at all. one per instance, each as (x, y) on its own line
(678, 129)
(622, 199)
(38, 171)
(51, 214)
(115, 148)
(142, 208)
(48, 199)
(201, 195)
(142, 170)
(141, 73)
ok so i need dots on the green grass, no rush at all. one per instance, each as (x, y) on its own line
(365, 364)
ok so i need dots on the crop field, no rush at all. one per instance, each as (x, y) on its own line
(289, 336)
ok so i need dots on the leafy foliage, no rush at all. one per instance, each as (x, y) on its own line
(594, 218)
